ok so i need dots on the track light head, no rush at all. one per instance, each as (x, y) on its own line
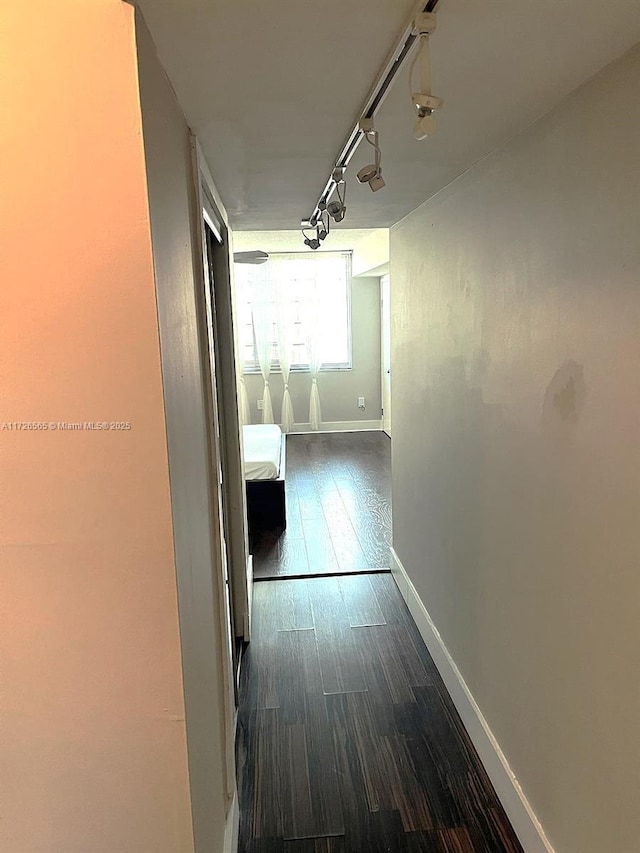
(425, 23)
(367, 173)
(336, 210)
(371, 175)
(423, 102)
(425, 106)
(425, 127)
(312, 243)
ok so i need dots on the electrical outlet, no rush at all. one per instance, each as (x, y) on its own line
(260, 405)
(361, 402)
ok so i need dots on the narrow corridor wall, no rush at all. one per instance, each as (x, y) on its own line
(175, 227)
(516, 459)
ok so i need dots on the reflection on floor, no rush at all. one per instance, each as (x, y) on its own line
(338, 488)
(347, 739)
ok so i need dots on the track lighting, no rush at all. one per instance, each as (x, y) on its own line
(311, 242)
(337, 208)
(323, 229)
(416, 33)
(371, 174)
(423, 102)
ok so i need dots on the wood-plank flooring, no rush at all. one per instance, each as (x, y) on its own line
(347, 739)
(338, 494)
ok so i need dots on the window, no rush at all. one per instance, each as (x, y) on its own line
(300, 300)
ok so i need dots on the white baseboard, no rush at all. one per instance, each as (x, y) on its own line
(232, 827)
(523, 819)
(339, 426)
(246, 622)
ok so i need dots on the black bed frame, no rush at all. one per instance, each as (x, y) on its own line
(266, 506)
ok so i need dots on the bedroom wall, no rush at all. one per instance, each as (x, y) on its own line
(516, 461)
(339, 389)
(92, 715)
(204, 617)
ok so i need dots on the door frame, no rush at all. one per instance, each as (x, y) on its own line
(221, 316)
(221, 336)
(231, 581)
(385, 351)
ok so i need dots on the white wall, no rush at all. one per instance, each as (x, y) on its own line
(339, 389)
(204, 626)
(371, 253)
(516, 452)
(92, 722)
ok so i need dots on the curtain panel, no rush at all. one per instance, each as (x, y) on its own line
(290, 304)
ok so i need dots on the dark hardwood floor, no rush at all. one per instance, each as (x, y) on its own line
(347, 739)
(338, 494)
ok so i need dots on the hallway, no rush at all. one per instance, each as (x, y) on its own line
(347, 739)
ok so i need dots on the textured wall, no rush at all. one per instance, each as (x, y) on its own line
(93, 734)
(516, 460)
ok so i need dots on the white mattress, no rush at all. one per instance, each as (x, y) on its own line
(262, 443)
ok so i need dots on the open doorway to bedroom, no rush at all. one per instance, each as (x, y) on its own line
(338, 503)
(310, 346)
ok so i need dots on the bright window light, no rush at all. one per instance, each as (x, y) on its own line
(307, 293)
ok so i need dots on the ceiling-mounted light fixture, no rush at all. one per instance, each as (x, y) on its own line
(256, 257)
(396, 58)
(371, 174)
(323, 228)
(311, 242)
(423, 102)
(338, 208)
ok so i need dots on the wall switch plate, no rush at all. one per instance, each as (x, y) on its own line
(260, 405)
(361, 402)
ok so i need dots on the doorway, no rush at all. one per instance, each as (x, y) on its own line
(224, 421)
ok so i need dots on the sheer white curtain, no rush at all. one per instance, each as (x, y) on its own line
(285, 321)
(318, 320)
(262, 316)
(314, 328)
(244, 409)
(296, 313)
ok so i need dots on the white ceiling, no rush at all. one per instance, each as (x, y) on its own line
(272, 89)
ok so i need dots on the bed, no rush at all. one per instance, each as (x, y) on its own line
(264, 472)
